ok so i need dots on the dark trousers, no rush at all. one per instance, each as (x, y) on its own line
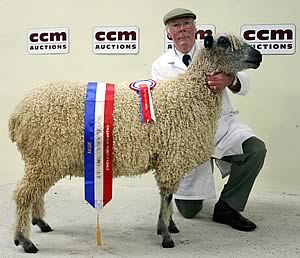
(244, 170)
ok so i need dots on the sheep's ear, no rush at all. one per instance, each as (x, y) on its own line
(223, 42)
(208, 41)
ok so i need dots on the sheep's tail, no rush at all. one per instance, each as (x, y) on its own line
(11, 127)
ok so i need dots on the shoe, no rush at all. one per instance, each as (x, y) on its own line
(226, 215)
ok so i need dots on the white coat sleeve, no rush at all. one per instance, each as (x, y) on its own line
(245, 83)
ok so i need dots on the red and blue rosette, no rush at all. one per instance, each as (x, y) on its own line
(143, 87)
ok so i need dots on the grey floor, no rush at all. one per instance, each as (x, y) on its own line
(128, 225)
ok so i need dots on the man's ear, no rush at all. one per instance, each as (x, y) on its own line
(169, 36)
(208, 41)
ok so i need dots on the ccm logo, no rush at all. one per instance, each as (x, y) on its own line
(115, 35)
(48, 36)
(277, 34)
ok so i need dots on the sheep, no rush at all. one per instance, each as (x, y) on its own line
(48, 129)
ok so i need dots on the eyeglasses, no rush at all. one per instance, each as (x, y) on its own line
(175, 27)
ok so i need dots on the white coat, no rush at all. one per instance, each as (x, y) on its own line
(230, 134)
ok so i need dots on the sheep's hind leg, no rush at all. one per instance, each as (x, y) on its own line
(38, 213)
(33, 186)
(27, 245)
(23, 201)
(165, 224)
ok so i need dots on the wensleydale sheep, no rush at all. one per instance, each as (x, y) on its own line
(48, 128)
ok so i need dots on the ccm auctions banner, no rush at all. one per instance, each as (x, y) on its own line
(271, 39)
(43, 41)
(98, 144)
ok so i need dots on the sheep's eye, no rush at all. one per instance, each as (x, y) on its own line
(223, 42)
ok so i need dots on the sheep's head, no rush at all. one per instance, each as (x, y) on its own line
(229, 54)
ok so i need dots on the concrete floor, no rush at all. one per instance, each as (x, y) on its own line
(128, 225)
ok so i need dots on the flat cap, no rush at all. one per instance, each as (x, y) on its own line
(178, 13)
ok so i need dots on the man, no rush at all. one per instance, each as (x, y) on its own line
(238, 152)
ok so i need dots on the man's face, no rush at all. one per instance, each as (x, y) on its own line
(182, 31)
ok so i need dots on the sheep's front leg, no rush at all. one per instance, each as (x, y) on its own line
(165, 223)
(172, 226)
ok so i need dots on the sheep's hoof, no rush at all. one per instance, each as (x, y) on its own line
(30, 248)
(42, 225)
(173, 229)
(47, 228)
(168, 244)
(27, 245)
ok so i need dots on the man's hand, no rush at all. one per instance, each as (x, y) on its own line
(217, 82)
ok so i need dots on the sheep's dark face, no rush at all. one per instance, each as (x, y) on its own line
(229, 54)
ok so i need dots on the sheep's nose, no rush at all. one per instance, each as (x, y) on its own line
(257, 55)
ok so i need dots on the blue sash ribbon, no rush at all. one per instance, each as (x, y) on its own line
(89, 135)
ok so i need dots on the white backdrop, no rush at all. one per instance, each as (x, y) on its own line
(271, 108)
